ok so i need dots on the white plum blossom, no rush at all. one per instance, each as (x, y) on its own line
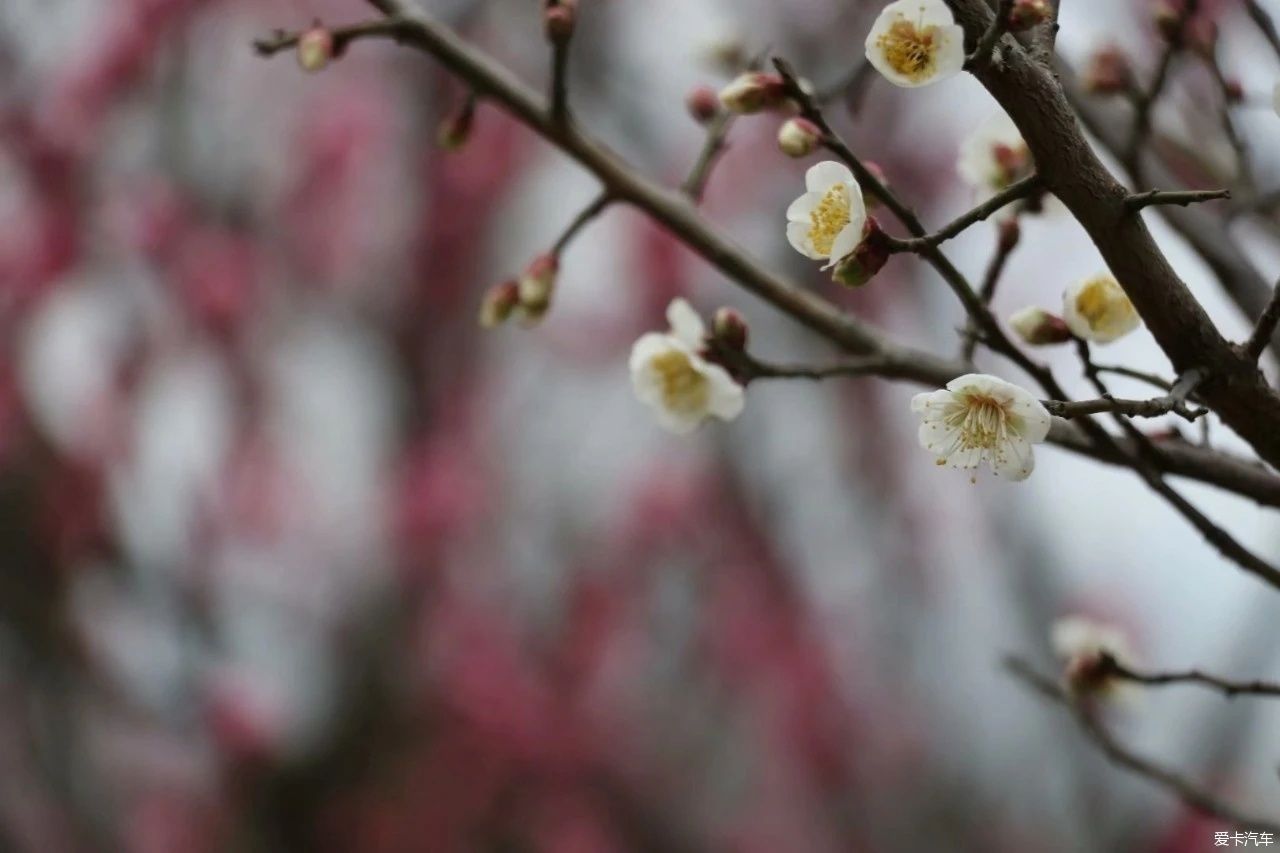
(980, 418)
(669, 373)
(1097, 309)
(827, 221)
(994, 156)
(1082, 644)
(915, 43)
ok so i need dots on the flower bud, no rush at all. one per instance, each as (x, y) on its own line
(315, 49)
(1097, 309)
(455, 128)
(1169, 19)
(499, 302)
(730, 329)
(1026, 14)
(536, 287)
(1233, 90)
(1108, 72)
(702, 103)
(753, 92)
(559, 19)
(799, 137)
(1201, 36)
(861, 265)
(1038, 327)
(1009, 234)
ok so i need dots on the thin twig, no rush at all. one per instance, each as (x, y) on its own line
(1024, 188)
(1174, 401)
(587, 214)
(1266, 326)
(1147, 462)
(1137, 201)
(1004, 248)
(1122, 756)
(392, 27)
(748, 368)
(1227, 687)
(1142, 376)
(1264, 24)
(717, 130)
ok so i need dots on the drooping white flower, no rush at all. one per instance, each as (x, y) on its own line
(1098, 310)
(1083, 644)
(994, 156)
(669, 373)
(827, 221)
(915, 43)
(979, 418)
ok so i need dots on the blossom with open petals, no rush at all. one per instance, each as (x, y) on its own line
(1098, 310)
(979, 418)
(994, 156)
(915, 43)
(1084, 645)
(669, 373)
(827, 221)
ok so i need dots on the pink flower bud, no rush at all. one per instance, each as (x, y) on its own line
(702, 103)
(1026, 14)
(1233, 90)
(730, 329)
(499, 302)
(1009, 234)
(1201, 36)
(1108, 72)
(536, 287)
(559, 20)
(753, 92)
(862, 264)
(1038, 327)
(455, 128)
(315, 49)
(799, 137)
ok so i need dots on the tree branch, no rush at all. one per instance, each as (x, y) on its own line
(1025, 188)
(1073, 173)
(1123, 757)
(587, 214)
(1228, 688)
(1137, 201)
(673, 212)
(1266, 328)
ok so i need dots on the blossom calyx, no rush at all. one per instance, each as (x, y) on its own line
(871, 254)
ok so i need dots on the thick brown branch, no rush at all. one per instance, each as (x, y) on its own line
(983, 53)
(1137, 201)
(1122, 756)
(1075, 175)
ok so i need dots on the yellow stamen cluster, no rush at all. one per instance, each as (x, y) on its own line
(684, 389)
(829, 218)
(908, 49)
(982, 422)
